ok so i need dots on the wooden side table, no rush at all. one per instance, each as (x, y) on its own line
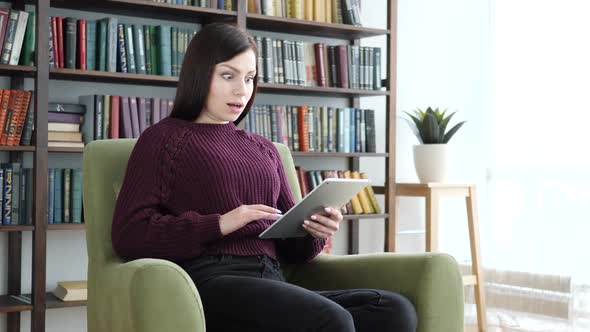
(433, 192)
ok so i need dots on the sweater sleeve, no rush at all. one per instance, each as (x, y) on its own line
(293, 250)
(142, 227)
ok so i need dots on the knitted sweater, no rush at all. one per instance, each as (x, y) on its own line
(182, 176)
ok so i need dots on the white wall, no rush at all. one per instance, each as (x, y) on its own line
(442, 61)
(443, 55)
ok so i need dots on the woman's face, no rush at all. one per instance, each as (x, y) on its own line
(231, 87)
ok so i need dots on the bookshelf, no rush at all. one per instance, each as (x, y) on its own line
(13, 303)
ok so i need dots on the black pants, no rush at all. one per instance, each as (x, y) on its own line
(250, 294)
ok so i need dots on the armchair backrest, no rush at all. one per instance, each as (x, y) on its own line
(104, 166)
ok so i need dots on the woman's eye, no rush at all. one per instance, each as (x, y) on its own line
(227, 76)
(249, 79)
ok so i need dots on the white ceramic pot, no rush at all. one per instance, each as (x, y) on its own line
(431, 162)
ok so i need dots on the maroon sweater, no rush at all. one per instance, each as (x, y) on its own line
(182, 176)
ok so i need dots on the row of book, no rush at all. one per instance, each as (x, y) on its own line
(16, 117)
(99, 117)
(17, 37)
(317, 64)
(16, 196)
(365, 202)
(315, 128)
(64, 203)
(217, 4)
(108, 45)
(328, 11)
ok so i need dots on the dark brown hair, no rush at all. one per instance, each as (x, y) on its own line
(215, 43)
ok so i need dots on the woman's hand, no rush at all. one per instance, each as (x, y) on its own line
(323, 226)
(245, 214)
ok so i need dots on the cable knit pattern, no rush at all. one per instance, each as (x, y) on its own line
(182, 176)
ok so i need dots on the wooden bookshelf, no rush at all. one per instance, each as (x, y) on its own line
(43, 77)
(52, 302)
(9, 303)
(110, 77)
(149, 9)
(317, 91)
(337, 154)
(16, 228)
(171, 81)
(65, 150)
(65, 226)
(17, 148)
(9, 70)
(365, 216)
(310, 28)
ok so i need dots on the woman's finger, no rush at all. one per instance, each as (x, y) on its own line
(315, 233)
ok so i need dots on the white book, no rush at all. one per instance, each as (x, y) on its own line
(21, 27)
(56, 144)
(59, 126)
(71, 290)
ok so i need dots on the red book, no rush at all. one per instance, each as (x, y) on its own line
(22, 116)
(115, 102)
(4, 13)
(342, 65)
(320, 64)
(60, 40)
(81, 44)
(6, 95)
(55, 43)
(10, 116)
(303, 128)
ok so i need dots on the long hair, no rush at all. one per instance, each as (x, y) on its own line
(215, 43)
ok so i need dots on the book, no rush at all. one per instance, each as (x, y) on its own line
(71, 290)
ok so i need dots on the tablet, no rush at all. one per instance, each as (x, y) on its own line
(331, 192)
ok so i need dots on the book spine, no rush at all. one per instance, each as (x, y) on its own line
(139, 48)
(76, 196)
(67, 178)
(9, 37)
(82, 44)
(51, 196)
(58, 197)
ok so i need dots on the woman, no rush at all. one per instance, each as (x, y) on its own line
(198, 191)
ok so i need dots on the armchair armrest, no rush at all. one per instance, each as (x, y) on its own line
(145, 295)
(431, 281)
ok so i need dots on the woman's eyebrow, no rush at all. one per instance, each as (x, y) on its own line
(236, 69)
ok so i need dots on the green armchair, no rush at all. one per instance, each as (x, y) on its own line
(148, 295)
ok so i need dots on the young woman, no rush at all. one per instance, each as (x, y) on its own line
(198, 191)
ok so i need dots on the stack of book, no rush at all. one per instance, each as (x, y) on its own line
(64, 125)
(17, 37)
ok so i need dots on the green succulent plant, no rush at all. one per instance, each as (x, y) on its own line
(430, 126)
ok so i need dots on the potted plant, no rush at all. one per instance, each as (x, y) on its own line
(431, 155)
